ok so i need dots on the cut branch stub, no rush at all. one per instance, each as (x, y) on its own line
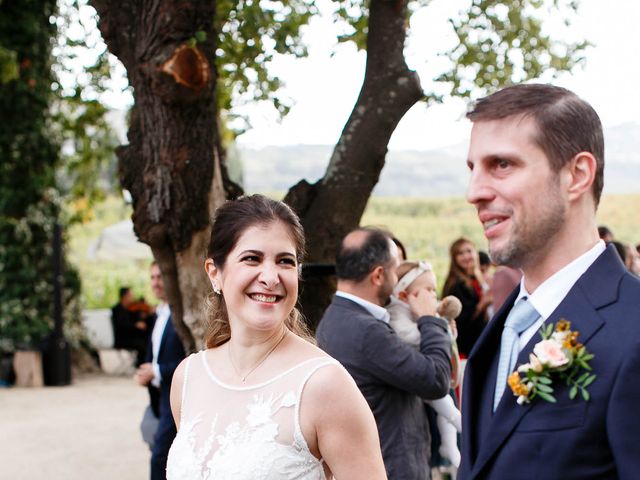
(188, 67)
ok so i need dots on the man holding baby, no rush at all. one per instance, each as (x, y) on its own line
(393, 376)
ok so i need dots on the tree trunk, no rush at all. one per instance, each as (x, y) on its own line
(334, 205)
(170, 165)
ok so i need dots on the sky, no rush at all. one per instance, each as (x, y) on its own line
(325, 87)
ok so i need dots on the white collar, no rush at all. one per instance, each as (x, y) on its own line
(163, 310)
(552, 291)
(380, 313)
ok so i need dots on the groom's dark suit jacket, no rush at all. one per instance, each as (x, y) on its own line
(571, 439)
(392, 376)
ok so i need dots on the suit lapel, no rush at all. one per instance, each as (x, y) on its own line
(597, 288)
(163, 338)
(476, 380)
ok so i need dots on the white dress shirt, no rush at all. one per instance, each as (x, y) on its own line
(163, 312)
(380, 313)
(552, 291)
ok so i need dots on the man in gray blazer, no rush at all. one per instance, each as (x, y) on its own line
(392, 376)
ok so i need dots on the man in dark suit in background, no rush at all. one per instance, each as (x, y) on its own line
(164, 353)
(391, 375)
(537, 159)
(129, 328)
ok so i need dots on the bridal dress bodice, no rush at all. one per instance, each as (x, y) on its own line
(243, 433)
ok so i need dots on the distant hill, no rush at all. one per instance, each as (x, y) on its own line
(412, 173)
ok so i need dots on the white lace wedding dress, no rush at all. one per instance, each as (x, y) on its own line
(243, 433)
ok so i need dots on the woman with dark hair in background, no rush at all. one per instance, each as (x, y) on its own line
(262, 402)
(466, 282)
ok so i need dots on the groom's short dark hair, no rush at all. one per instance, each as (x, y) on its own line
(567, 125)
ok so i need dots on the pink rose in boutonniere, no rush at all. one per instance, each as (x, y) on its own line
(560, 355)
(550, 353)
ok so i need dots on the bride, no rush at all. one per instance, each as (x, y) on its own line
(263, 402)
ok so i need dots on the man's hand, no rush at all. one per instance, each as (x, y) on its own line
(140, 325)
(423, 302)
(144, 374)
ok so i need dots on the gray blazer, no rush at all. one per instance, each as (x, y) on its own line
(393, 377)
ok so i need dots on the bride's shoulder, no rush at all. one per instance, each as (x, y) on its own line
(306, 348)
(327, 377)
(330, 389)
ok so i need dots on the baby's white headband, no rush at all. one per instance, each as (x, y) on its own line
(411, 275)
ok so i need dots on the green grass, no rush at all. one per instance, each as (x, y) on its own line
(427, 226)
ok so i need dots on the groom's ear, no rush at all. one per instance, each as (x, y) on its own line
(580, 175)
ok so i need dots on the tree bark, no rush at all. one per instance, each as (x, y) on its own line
(334, 205)
(170, 165)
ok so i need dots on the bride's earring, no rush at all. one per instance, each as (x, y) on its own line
(216, 289)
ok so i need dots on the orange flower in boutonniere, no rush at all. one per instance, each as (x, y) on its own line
(558, 354)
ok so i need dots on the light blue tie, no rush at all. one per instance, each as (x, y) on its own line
(521, 317)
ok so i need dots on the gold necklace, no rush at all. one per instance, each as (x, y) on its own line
(260, 362)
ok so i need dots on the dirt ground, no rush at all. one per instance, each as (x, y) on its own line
(88, 430)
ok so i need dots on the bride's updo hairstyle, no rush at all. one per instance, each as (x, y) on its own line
(230, 221)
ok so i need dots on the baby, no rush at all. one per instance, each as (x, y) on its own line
(414, 276)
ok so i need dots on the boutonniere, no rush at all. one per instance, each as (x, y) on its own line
(557, 355)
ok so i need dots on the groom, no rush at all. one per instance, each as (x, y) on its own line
(537, 159)
(164, 353)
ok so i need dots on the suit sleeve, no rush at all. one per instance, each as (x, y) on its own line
(623, 421)
(426, 373)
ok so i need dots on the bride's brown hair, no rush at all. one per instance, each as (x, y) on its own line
(230, 221)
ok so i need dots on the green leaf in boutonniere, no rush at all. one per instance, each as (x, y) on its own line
(557, 355)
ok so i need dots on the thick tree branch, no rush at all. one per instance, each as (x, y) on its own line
(390, 89)
(334, 205)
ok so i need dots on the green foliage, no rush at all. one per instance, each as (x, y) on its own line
(27, 154)
(29, 205)
(502, 43)
(250, 33)
(355, 14)
(8, 65)
(26, 294)
(26, 278)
